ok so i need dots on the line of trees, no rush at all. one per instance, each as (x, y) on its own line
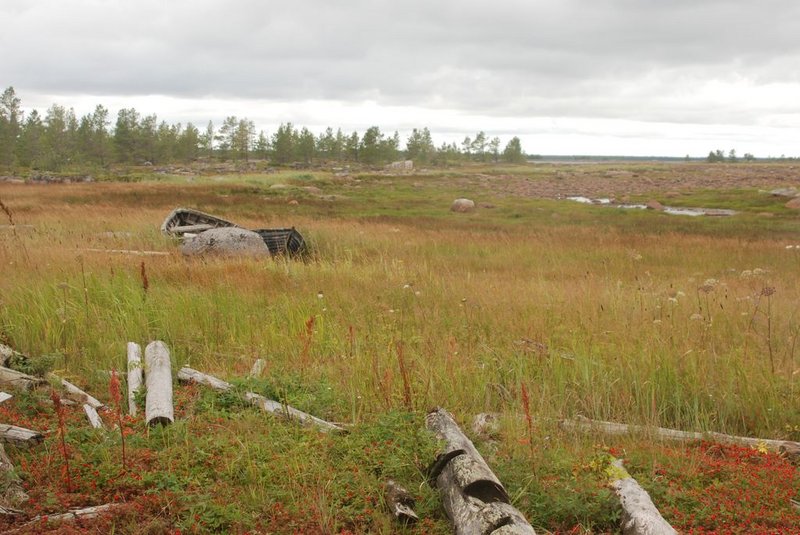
(60, 139)
(717, 156)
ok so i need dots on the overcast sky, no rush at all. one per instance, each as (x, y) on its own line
(637, 77)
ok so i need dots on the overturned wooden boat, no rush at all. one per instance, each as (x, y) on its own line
(186, 222)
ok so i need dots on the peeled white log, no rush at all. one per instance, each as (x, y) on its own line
(127, 251)
(158, 380)
(19, 436)
(75, 393)
(612, 428)
(5, 397)
(91, 414)
(135, 375)
(290, 413)
(400, 503)
(258, 368)
(474, 499)
(639, 514)
(21, 381)
(189, 375)
(11, 491)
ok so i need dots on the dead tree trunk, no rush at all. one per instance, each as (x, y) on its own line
(288, 412)
(135, 375)
(94, 418)
(74, 393)
(639, 514)
(5, 397)
(19, 436)
(612, 428)
(158, 380)
(20, 381)
(474, 499)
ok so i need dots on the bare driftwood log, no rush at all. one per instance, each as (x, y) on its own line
(189, 375)
(400, 503)
(135, 374)
(73, 514)
(74, 393)
(5, 397)
(21, 381)
(288, 412)
(158, 380)
(91, 414)
(19, 436)
(639, 514)
(612, 428)
(474, 499)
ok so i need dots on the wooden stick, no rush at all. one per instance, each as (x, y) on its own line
(400, 503)
(189, 375)
(76, 514)
(639, 514)
(75, 393)
(158, 380)
(91, 414)
(126, 251)
(288, 412)
(612, 428)
(474, 499)
(19, 436)
(21, 381)
(135, 375)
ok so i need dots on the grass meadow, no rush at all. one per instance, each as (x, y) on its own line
(631, 316)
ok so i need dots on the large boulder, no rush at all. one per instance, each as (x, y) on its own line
(794, 204)
(226, 241)
(462, 205)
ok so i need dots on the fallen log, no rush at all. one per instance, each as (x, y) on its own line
(74, 514)
(639, 514)
(21, 381)
(5, 397)
(611, 428)
(474, 499)
(158, 381)
(126, 251)
(11, 492)
(288, 412)
(135, 375)
(91, 414)
(74, 393)
(400, 503)
(19, 436)
(189, 375)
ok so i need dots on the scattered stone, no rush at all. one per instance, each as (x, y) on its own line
(655, 205)
(462, 206)
(312, 189)
(226, 241)
(279, 186)
(293, 202)
(486, 425)
(794, 204)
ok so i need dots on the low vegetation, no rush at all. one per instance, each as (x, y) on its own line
(530, 307)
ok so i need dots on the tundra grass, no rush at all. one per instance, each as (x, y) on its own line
(402, 306)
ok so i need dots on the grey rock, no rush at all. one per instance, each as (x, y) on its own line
(227, 241)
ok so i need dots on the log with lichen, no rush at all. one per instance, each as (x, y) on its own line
(639, 515)
(473, 498)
